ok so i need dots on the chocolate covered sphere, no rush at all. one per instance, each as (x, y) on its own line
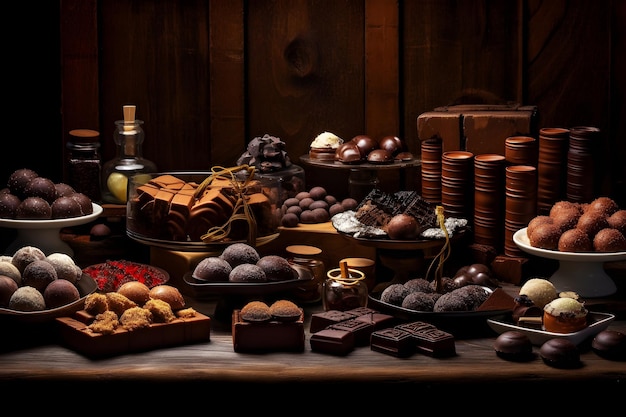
(366, 144)
(403, 227)
(18, 181)
(65, 207)
(41, 187)
(392, 144)
(33, 208)
(8, 205)
(59, 293)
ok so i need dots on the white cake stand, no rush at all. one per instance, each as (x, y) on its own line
(45, 234)
(582, 273)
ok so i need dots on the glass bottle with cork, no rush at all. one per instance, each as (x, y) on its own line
(83, 162)
(308, 257)
(129, 137)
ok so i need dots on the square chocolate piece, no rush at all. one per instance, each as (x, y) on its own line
(359, 311)
(393, 341)
(415, 326)
(324, 319)
(362, 330)
(334, 342)
(434, 342)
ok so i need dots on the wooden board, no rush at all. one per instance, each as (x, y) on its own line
(181, 331)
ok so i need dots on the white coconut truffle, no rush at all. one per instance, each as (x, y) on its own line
(65, 267)
(539, 290)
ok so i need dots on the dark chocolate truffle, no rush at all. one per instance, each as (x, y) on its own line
(366, 144)
(240, 253)
(591, 222)
(604, 205)
(59, 293)
(213, 269)
(8, 205)
(609, 240)
(247, 273)
(617, 221)
(418, 284)
(513, 346)
(64, 190)
(403, 227)
(41, 187)
(318, 193)
(560, 353)
(276, 268)
(392, 144)
(99, 231)
(610, 344)
(380, 156)
(18, 181)
(394, 294)
(7, 287)
(419, 301)
(33, 208)
(85, 203)
(545, 236)
(65, 207)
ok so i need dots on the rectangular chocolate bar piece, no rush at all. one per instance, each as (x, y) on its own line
(332, 341)
(434, 342)
(270, 336)
(362, 330)
(324, 319)
(415, 326)
(393, 341)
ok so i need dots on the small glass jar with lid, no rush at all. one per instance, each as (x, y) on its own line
(308, 257)
(344, 289)
(83, 162)
(129, 161)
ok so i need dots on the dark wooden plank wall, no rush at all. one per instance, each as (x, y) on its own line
(208, 76)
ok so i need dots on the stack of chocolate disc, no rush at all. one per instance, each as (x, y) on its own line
(489, 199)
(582, 170)
(520, 150)
(457, 190)
(551, 167)
(431, 170)
(520, 203)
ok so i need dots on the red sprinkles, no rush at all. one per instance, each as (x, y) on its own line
(110, 275)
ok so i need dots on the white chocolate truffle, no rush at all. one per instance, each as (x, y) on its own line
(539, 290)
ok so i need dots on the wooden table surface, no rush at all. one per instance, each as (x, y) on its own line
(34, 356)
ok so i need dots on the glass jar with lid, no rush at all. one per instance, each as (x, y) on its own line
(83, 162)
(308, 257)
(344, 289)
(129, 161)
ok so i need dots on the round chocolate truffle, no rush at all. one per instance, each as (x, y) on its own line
(8, 205)
(335, 209)
(277, 268)
(65, 266)
(380, 156)
(563, 205)
(392, 144)
(591, 222)
(290, 220)
(247, 273)
(394, 294)
(18, 181)
(33, 208)
(403, 227)
(38, 274)
(59, 293)
(41, 187)
(85, 203)
(536, 221)
(99, 231)
(349, 203)
(604, 205)
(64, 190)
(27, 298)
(609, 240)
(240, 253)
(65, 207)
(25, 255)
(318, 193)
(545, 236)
(513, 346)
(610, 344)
(419, 301)
(566, 219)
(7, 287)
(9, 270)
(212, 269)
(540, 291)
(255, 311)
(560, 353)
(575, 240)
(285, 310)
(418, 284)
(366, 144)
(617, 221)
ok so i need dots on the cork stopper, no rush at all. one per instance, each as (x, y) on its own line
(303, 250)
(84, 135)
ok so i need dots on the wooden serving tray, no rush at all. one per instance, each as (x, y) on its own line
(181, 331)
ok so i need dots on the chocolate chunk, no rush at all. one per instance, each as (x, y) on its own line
(392, 341)
(434, 342)
(362, 330)
(332, 341)
(324, 319)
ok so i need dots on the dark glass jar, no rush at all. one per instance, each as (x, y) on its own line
(84, 163)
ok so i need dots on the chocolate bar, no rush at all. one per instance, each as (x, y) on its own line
(362, 330)
(434, 342)
(378, 320)
(267, 336)
(332, 341)
(415, 326)
(324, 319)
(393, 341)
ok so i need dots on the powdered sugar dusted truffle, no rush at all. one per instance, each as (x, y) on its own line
(27, 298)
(25, 255)
(213, 269)
(39, 274)
(240, 253)
(65, 267)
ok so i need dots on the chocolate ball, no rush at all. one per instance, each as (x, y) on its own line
(7, 287)
(85, 203)
(560, 353)
(8, 205)
(65, 207)
(609, 240)
(317, 193)
(33, 208)
(41, 187)
(366, 144)
(513, 346)
(39, 274)
(18, 181)
(380, 156)
(392, 144)
(60, 293)
(610, 344)
(64, 190)
(403, 227)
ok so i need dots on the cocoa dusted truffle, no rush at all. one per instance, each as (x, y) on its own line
(545, 236)
(247, 273)
(33, 208)
(240, 253)
(212, 269)
(39, 274)
(394, 294)
(560, 353)
(591, 222)
(27, 298)
(59, 293)
(609, 240)
(276, 268)
(575, 240)
(513, 346)
(536, 221)
(617, 221)
(25, 255)
(603, 205)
